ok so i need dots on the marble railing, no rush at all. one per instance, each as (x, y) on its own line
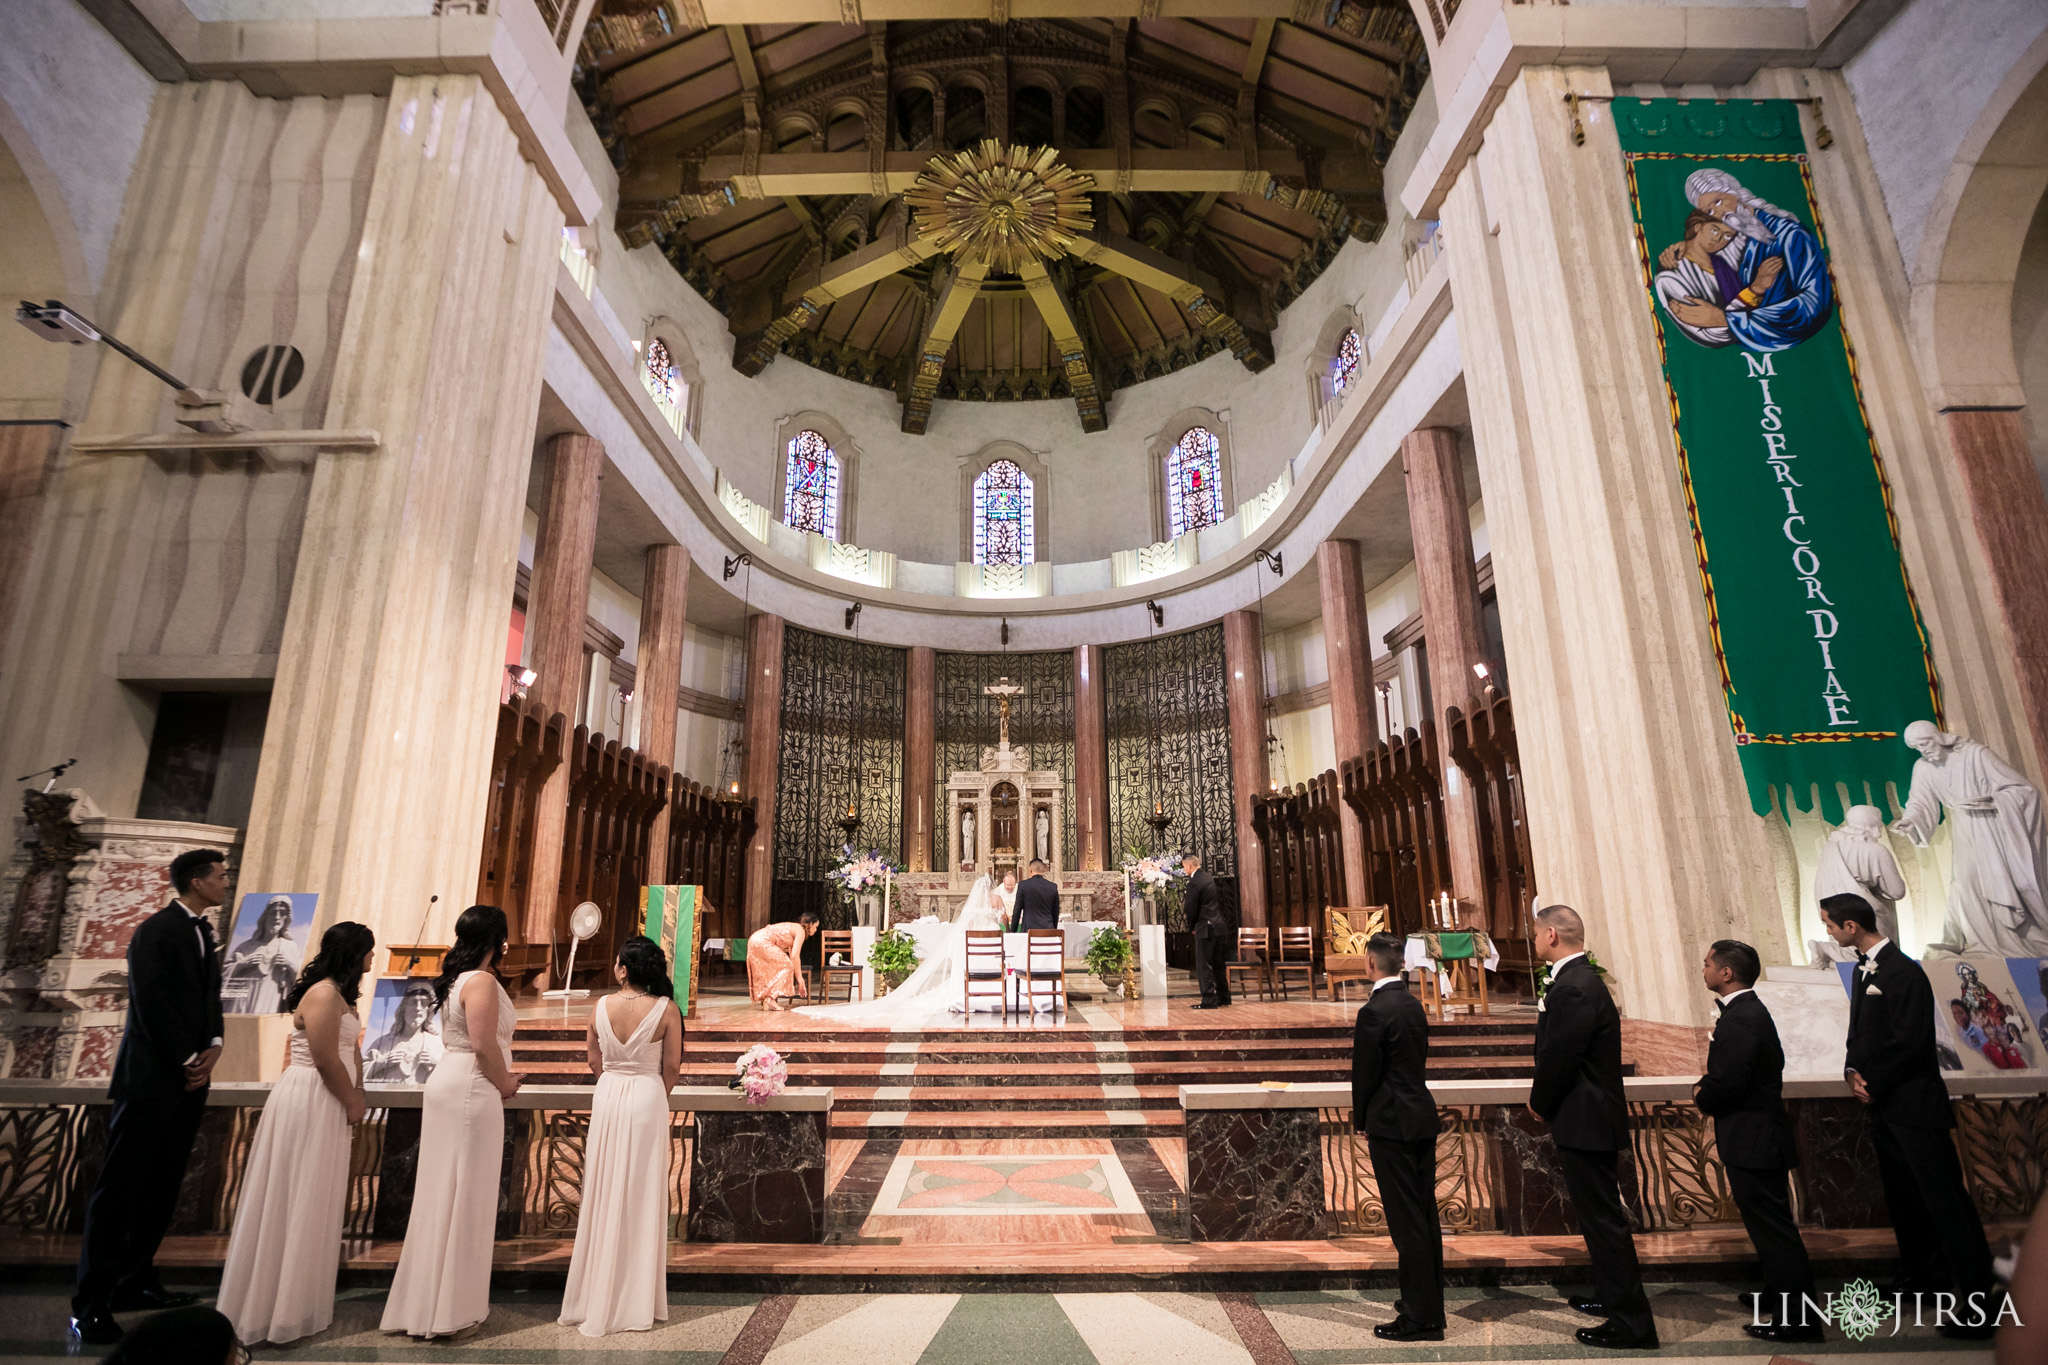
(1286, 1165)
(738, 1172)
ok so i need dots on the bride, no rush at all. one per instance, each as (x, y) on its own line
(935, 987)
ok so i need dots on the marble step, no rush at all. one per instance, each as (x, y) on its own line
(1013, 1099)
(1057, 1123)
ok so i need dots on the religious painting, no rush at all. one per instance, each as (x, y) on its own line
(401, 1032)
(1984, 1020)
(1822, 654)
(266, 948)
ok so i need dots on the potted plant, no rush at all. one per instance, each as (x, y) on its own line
(1109, 955)
(893, 957)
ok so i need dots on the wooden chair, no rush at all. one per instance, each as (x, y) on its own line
(1346, 930)
(1254, 954)
(1045, 969)
(984, 968)
(839, 941)
(1297, 954)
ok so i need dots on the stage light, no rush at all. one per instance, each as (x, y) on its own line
(521, 677)
(1481, 671)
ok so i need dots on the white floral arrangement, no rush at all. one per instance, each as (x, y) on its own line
(760, 1073)
(1154, 873)
(858, 872)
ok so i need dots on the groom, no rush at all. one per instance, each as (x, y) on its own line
(1038, 902)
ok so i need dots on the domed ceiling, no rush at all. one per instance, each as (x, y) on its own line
(959, 209)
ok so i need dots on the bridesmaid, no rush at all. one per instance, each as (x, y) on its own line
(443, 1285)
(618, 1275)
(278, 1283)
(775, 960)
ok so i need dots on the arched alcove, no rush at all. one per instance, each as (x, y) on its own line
(1035, 468)
(1325, 368)
(843, 447)
(966, 116)
(1162, 450)
(683, 402)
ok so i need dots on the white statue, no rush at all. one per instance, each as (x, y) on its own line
(1995, 902)
(1044, 828)
(967, 836)
(1855, 861)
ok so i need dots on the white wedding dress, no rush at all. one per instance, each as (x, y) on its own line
(935, 987)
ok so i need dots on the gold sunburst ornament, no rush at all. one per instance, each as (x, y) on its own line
(1002, 206)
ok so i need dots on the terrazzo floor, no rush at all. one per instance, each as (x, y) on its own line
(1699, 1322)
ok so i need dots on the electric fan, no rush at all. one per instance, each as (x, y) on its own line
(583, 922)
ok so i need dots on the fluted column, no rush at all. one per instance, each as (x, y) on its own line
(1244, 653)
(658, 678)
(763, 757)
(1091, 762)
(557, 605)
(1440, 521)
(920, 756)
(1353, 725)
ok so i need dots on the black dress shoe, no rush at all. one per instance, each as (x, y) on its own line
(1785, 1332)
(1615, 1337)
(151, 1299)
(1405, 1328)
(1590, 1306)
(97, 1328)
(1206, 1005)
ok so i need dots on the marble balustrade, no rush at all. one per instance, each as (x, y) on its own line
(738, 1172)
(1285, 1164)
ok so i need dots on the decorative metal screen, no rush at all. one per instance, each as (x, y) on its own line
(1194, 481)
(1042, 719)
(1345, 368)
(1003, 531)
(1176, 683)
(810, 499)
(842, 729)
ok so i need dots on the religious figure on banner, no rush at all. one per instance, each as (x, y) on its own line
(1747, 272)
(1855, 861)
(1995, 901)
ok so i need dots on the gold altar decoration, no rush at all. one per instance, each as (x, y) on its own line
(1003, 207)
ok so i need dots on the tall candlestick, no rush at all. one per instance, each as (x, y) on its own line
(888, 881)
(1130, 921)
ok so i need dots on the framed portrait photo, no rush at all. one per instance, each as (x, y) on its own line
(266, 946)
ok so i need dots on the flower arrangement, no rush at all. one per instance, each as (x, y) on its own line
(1109, 952)
(859, 872)
(761, 1073)
(1159, 876)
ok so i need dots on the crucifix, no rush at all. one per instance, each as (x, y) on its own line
(1002, 689)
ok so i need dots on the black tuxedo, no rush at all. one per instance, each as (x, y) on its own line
(1392, 1106)
(1891, 1046)
(173, 1014)
(1577, 1090)
(1037, 907)
(1742, 1092)
(1204, 911)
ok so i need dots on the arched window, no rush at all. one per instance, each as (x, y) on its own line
(1344, 368)
(1003, 521)
(810, 499)
(1194, 481)
(662, 380)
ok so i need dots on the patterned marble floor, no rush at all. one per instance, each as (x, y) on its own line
(1699, 1323)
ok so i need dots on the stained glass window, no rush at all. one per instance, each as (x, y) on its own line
(1345, 369)
(810, 501)
(1003, 515)
(662, 380)
(1194, 482)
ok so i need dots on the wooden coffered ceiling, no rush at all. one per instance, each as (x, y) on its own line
(769, 158)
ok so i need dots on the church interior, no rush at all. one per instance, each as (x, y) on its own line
(1201, 487)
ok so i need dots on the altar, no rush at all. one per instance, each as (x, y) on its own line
(1004, 814)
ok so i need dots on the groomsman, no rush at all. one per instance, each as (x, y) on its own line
(1894, 1070)
(1577, 1091)
(1205, 916)
(1742, 1093)
(1392, 1106)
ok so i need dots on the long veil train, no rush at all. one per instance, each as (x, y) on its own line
(934, 988)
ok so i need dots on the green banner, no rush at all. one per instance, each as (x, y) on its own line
(1823, 657)
(668, 915)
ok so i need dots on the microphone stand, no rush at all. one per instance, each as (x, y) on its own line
(413, 958)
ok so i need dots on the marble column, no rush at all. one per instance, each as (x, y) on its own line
(2010, 513)
(658, 678)
(1244, 656)
(1353, 722)
(1440, 522)
(920, 755)
(557, 605)
(1091, 763)
(762, 758)
(376, 760)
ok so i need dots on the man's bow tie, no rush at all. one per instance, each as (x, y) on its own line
(1862, 957)
(1720, 1004)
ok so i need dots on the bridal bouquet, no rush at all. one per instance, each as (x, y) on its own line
(761, 1073)
(858, 872)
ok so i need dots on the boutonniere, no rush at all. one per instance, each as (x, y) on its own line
(1866, 969)
(1539, 1007)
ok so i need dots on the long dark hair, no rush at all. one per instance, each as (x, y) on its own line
(339, 960)
(480, 934)
(646, 966)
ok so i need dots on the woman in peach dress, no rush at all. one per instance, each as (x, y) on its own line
(774, 965)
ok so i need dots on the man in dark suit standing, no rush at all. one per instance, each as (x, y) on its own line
(1893, 1068)
(1392, 1106)
(1205, 916)
(1038, 902)
(168, 1048)
(1742, 1092)
(1577, 1091)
